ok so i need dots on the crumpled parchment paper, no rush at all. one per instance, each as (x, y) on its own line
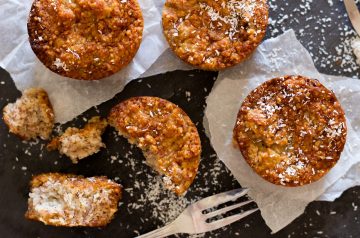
(277, 57)
(71, 97)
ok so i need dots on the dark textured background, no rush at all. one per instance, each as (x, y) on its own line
(321, 219)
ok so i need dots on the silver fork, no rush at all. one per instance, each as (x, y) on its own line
(193, 221)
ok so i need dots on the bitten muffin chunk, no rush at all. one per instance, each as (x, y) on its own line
(84, 39)
(70, 200)
(291, 130)
(31, 116)
(168, 138)
(213, 35)
(77, 143)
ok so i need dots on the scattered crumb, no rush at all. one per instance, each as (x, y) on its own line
(77, 143)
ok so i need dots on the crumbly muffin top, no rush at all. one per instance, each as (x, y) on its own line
(31, 116)
(78, 143)
(84, 39)
(166, 135)
(291, 130)
(70, 200)
(214, 35)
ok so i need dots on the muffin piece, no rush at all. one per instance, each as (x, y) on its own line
(31, 116)
(69, 200)
(77, 143)
(166, 135)
(291, 130)
(86, 40)
(214, 35)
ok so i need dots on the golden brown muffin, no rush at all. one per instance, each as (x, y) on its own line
(77, 143)
(291, 130)
(168, 138)
(214, 35)
(31, 116)
(85, 39)
(70, 200)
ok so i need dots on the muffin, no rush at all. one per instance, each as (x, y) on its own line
(167, 137)
(31, 116)
(214, 35)
(86, 40)
(291, 130)
(70, 200)
(78, 144)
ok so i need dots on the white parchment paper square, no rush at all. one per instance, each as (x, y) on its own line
(71, 97)
(277, 57)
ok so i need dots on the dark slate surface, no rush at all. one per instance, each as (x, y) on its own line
(19, 161)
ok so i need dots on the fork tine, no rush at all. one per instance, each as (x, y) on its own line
(228, 220)
(226, 209)
(221, 198)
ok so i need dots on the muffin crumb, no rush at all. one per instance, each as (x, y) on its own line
(70, 200)
(31, 116)
(77, 143)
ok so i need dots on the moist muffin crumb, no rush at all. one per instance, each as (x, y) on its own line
(31, 116)
(86, 40)
(78, 144)
(214, 35)
(70, 200)
(291, 130)
(168, 138)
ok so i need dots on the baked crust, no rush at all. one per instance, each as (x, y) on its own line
(291, 130)
(70, 200)
(77, 143)
(86, 40)
(214, 35)
(31, 116)
(168, 138)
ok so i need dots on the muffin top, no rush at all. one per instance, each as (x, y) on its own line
(86, 40)
(213, 35)
(291, 130)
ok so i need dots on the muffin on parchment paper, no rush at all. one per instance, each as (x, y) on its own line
(291, 130)
(71, 200)
(214, 35)
(31, 116)
(168, 138)
(77, 143)
(86, 40)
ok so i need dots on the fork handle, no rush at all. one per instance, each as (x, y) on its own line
(161, 232)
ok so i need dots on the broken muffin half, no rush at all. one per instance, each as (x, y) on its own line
(71, 200)
(168, 138)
